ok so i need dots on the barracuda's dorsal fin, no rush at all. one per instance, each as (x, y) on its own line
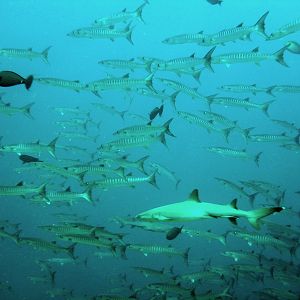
(233, 203)
(194, 196)
(21, 183)
(192, 55)
(68, 189)
(255, 49)
(240, 25)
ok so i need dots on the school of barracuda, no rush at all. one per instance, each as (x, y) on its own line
(67, 175)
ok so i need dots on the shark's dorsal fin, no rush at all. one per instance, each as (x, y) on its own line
(233, 203)
(194, 196)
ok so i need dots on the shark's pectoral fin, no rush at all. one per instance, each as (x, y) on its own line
(233, 220)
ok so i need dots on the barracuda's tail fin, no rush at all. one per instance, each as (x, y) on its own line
(260, 25)
(254, 216)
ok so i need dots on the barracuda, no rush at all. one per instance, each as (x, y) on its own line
(274, 138)
(97, 170)
(205, 234)
(285, 30)
(178, 86)
(103, 33)
(7, 109)
(189, 38)
(240, 32)
(74, 85)
(250, 57)
(153, 249)
(286, 89)
(145, 130)
(244, 103)
(131, 142)
(208, 125)
(235, 153)
(126, 64)
(219, 118)
(21, 190)
(123, 162)
(122, 83)
(193, 209)
(190, 62)
(110, 109)
(26, 53)
(122, 16)
(39, 244)
(129, 181)
(293, 47)
(31, 148)
(242, 88)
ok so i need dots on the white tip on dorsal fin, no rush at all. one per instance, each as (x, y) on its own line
(240, 25)
(233, 203)
(255, 49)
(194, 196)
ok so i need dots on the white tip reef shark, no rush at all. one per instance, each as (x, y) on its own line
(194, 209)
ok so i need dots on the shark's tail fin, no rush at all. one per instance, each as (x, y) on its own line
(254, 216)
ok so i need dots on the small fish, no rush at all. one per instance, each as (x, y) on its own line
(173, 233)
(28, 159)
(156, 111)
(214, 2)
(9, 78)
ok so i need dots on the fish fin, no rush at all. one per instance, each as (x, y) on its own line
(233, 203)
(255, 50)
(194, 196)
(28, 82)
(233, 220)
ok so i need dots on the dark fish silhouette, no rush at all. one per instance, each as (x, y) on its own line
(214, 2)
(9, 78)
(156, 111)
(173, 233)
(28, 159)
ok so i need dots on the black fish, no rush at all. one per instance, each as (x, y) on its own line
(156, 111)
(28, 159)
(213, 2)
(173, 233)
(9, 78)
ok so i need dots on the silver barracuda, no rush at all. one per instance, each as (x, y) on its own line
(274, 138)
(145, 130)
(236, 153)
(25, 53)
(31, 148)
(250, 57)
(123, 16)
(130, 64)
(207, 124)
(9, 110)
(132, 142)
(120, 83)
(74, 85)
(292, 89)
(238, 102)
(21, 190)
(218, 118)
(193, 209)
(293, 47)
(244, 88)
(209, 235)
(103, 33)
(110, 109)
(240, 32)
(285, 30)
